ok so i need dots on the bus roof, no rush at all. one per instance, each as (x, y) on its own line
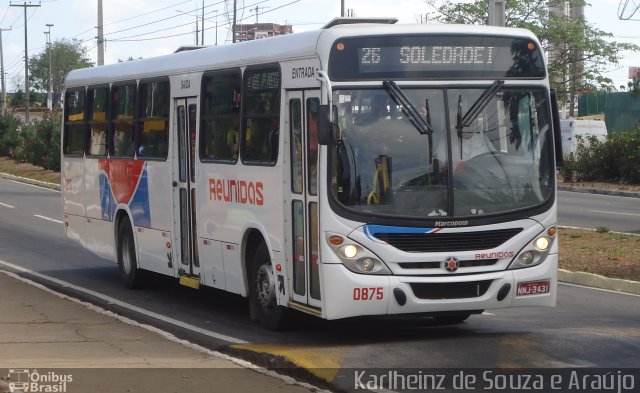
(269, 50)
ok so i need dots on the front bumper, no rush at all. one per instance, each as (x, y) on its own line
(348, 294)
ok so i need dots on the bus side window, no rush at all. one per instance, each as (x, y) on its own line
(98, 124)
(122, 107)
(74, 123)
(153, 120)
(220, 116)
(261, 114)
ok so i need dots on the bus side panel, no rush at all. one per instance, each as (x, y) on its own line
(98, 238)
(159, 190)
(232, 199)
(153, 253)
(212, 262)
(95, 201)
(151, 208)
(73, 186)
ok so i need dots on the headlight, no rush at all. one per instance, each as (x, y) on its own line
(536, 251)
(542, 243)
(355, 257)
(350, 251)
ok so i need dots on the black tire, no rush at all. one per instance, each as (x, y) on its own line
(452, 319)
(130, 274)
(263, 292)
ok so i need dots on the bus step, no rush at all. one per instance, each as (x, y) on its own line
(190, 281)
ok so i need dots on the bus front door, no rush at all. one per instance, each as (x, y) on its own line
(303, 227)
(185, 236)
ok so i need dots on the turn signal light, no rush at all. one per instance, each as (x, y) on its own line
(336, 240)
(552, 231)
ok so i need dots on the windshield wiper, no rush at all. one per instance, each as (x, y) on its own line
(421, 124)
(407, 107)
(477, 107)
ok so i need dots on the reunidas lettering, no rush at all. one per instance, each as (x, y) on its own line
(495, 255)
(236, 191)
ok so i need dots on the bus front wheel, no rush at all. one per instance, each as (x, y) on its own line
(264, 292)
(127, 261)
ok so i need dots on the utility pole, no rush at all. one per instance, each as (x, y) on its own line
(216, 27)
(342, 8)
(100, 35)
(4, 87)
(202, 38)
(26, 57)
(235, 15)
(496, 13)
(49, 98)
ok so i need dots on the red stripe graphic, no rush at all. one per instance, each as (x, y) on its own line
(123, 176)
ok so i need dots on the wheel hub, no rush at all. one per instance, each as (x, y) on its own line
(265, 287)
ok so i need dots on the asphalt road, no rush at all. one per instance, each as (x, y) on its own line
(621, 214)
(588, 328)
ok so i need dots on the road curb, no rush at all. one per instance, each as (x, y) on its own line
(631, 194)
(598, 281)
(34, 182)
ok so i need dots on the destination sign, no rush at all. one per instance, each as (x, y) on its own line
(435, 57)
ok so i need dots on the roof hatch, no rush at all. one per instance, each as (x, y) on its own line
(353, 21)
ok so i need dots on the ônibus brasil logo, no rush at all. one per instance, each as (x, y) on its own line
(32, 381)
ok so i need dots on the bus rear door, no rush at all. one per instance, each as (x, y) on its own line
(185, 236)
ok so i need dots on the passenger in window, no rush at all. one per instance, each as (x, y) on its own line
(272, 140)
(232, 137)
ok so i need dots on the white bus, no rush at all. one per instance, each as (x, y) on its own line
(363, 169)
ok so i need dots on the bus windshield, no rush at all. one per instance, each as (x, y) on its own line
(500, 161)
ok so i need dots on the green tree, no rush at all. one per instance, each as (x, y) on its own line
(66, 55)
(578, 52)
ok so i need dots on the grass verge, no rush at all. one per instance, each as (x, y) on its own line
(9, 166)
(607, 254)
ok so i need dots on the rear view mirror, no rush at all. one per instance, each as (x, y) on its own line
(557, 136)
(326, 127)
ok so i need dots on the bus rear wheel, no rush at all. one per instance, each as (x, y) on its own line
(264, 292)
(127, 261)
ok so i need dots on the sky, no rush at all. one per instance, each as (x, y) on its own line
(148, 28)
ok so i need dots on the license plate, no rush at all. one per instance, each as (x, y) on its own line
(533, 288)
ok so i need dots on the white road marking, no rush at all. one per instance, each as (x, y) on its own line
(5, 205)
(131, 307)
(30, 185)
(488, 313)
(620, 214)
(597, 289)
(48, 219)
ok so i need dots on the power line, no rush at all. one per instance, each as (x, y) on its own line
(150, 12)
(129, 18)
(160, 20)
(150, 39)
(224, 24)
